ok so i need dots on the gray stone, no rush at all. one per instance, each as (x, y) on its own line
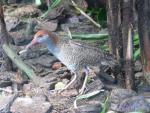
(138, 74)
(30, 105)
(47, 25)
(89, 109)
(5, 78)
(73, 19)
(117, 95)
(135, 103)
(12, 23)
(138, 66)
(20, 38)
(6, 101)
(44, 61)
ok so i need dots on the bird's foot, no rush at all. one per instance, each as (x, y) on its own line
(81, 91)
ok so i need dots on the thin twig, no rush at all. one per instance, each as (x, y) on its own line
(69, 33)
(83, 13)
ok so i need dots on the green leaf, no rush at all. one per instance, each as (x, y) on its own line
(105, 106)
(136, 36)
(137, 54)
(86, 96)
(99, 36)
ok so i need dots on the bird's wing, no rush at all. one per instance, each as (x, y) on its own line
(85, 46)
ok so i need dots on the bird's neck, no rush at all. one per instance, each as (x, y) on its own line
(52, 47)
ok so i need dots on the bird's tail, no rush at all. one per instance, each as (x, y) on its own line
(109, 60)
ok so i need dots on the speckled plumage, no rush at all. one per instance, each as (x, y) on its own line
(73, 54)
(77, 56)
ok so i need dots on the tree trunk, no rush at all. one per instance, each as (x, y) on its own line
(4, 38)
(143, 7)
(114, 28)
(127, 35)
(120, 19)
(114, 24)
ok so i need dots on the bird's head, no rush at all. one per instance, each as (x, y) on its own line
(41, 37)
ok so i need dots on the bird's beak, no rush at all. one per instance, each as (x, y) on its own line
(32, 43)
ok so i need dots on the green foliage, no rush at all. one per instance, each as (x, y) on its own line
(99, 15)
(53, 5)
(98, 36)
(136, 46)
(105, 106)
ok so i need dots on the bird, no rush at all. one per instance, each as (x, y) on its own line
(76, 56)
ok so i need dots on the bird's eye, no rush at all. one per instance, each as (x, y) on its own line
(39, 37)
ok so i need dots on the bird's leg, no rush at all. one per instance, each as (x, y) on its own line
(74, 78)
(85, 81)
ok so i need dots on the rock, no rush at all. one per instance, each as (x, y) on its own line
(120, 94)
(5, 102)
(69, 93)
(30, 105)
(44, 60)
(89, 109)
(5, 78)
(59, 102)
(95, 85)
(7, 90)
(73, 19)
(31, 26)
(138, 75)
(12, 22)
(135, 103)
(20, 38)
(5, 83)
(148, 99)
(47, 25)
(125, 100)
(34, 52)
(23, 11)
(31, 91)
(80, 27)
(117, 95)
(27, 88)
(143, 88)
(138, 66)
(145, 91)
